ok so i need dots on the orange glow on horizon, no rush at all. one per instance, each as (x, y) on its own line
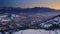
(57, 7)
(53, 6)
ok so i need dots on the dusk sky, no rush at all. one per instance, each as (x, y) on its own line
(30, 3)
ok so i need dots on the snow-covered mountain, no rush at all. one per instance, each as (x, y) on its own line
(52, 23)
(16, 19)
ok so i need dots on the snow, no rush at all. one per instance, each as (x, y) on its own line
(32, 31)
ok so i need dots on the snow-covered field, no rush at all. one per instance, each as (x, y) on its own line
(31, 31)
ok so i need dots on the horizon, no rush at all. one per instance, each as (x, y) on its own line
(54, 4)
(31, 7)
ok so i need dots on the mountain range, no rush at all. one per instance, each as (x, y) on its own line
(28, 10)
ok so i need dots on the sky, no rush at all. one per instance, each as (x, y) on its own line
(55, 4)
